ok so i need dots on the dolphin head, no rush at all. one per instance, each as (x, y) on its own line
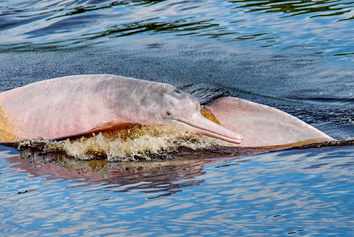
(175, 107)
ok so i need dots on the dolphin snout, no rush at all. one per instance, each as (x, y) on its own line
(201, 125)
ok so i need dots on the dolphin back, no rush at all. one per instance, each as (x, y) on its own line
(73, 104)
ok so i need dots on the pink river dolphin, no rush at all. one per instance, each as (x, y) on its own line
(77, 105)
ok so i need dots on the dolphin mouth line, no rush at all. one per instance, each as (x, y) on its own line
(216, 134)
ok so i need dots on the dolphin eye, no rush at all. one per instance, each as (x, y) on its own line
(168, 113)
(178, 91)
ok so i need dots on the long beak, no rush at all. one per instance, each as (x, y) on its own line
(201, 125)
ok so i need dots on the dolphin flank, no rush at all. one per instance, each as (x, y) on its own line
(75, 106)
(67, 106)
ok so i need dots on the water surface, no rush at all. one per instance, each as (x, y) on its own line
(304, 192)
(318, 27)
(293, 55)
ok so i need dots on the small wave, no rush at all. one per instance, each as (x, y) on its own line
(63, 24)
(324, 99)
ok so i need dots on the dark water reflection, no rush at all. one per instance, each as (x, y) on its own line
(298, 7)
(305, 192)
(321, 27)
(293, 55)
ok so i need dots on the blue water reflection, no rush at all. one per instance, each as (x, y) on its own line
(320, 27)
(307, 192)
(294, 55)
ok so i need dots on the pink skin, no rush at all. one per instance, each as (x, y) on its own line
(262, 125)
(65, 107)
(72, 105)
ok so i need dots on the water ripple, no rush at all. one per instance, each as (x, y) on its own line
(278, 193)
(323, 27)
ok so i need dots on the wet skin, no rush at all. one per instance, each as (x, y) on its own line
(67, 106)
(74, 106)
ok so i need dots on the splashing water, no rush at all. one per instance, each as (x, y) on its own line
(136, 143)
(8, 130)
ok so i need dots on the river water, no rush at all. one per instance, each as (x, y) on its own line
(297, 56)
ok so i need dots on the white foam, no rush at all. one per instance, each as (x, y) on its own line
(139, 145)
